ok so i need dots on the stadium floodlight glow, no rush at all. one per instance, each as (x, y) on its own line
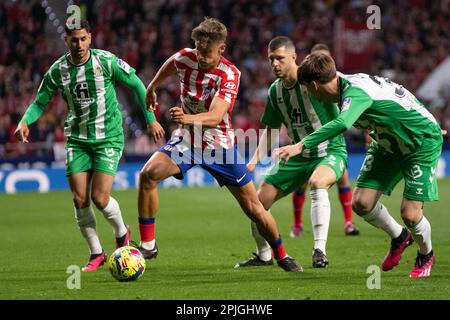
(129, 121)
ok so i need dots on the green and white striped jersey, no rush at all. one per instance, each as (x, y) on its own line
(88, 89)
(395, 118)
(302, 114)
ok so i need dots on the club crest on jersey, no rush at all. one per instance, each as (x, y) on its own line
(124, 66)
(206, 93)
(346, 104)
(98, 71)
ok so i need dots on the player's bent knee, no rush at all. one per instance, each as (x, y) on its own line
(80, 201)
(150, 176)
(361, 207)
(254, 210)
(317, 183)
(409, 217)
(100, 199)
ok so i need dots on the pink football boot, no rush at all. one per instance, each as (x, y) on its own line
(93, 264)
(422, 267)
(397, 247)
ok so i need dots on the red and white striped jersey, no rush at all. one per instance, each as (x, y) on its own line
(198, 90)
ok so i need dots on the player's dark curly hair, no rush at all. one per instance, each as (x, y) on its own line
(210, 30)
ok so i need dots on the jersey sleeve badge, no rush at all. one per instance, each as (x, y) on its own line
(346, 104)
(124, 66)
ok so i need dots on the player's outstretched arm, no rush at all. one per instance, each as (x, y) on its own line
(132, 81)
(167, 69)
(45, 93)
(287, 152)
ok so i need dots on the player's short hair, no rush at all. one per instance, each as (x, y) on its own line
(281, 41)
(69, 26)
(320, 47)
(210, 30)
(317, 66)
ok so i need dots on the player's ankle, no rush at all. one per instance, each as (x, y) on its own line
(148, 245)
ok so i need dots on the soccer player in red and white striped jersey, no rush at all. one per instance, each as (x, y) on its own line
(199, 88)
(209, 84)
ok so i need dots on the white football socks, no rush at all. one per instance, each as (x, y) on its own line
(87, 223)
(263, 248)
(379, 217)
(113, 214)
(148, 245)
(320, 217)
(421, 233)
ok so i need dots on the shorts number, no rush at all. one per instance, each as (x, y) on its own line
(416, 172)
(109, 152)
(368, 162)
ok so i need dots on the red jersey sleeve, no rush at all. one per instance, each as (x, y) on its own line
(229, 85)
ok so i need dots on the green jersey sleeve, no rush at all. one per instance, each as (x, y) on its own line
(271, 116)
(122, 72)
(354, 102)
(46, 91)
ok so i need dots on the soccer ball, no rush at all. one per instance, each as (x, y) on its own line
(126, 264)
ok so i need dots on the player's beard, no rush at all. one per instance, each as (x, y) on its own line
(79, 56)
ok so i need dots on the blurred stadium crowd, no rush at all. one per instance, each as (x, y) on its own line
(413, 40)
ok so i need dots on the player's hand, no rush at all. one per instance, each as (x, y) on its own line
(151, 99)
(287, 152)
(443, 132)
(22, 132)
(177, 115)
(155, 130)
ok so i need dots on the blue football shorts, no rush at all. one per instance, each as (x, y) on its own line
(225, 165)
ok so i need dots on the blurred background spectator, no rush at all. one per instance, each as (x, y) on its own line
(412, 42)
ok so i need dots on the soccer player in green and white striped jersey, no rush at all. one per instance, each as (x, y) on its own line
(93, 128)
(343, 187)
(407, 144)
(291, 105)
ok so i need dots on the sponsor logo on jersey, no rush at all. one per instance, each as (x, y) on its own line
(230, 85)
(124, 66)
(346, 104)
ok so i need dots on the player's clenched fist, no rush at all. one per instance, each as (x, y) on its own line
(177, 114)
(22, 132)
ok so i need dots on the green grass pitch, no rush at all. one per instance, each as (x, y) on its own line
(201, 234)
